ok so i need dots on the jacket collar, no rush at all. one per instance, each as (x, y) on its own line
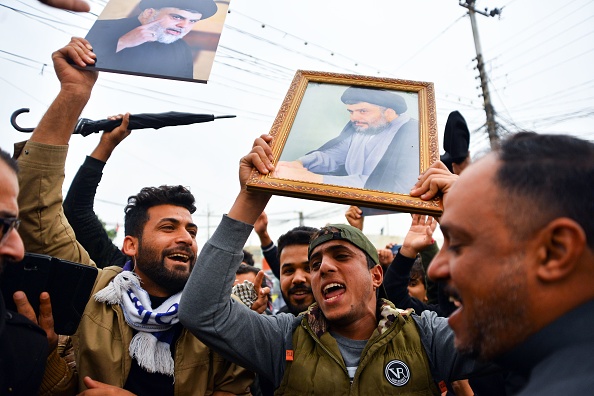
(387, 314)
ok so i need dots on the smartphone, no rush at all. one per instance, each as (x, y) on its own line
(68, 284)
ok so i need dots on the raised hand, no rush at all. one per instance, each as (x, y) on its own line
(80, 52)
(110, 139)
(250, 204)
(419, 236)
(262, 302)
(354, 216)
(70, 5)
(435, 180)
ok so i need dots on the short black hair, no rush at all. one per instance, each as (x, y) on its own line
(8, 160)
(246, 269)
(297, 236)
(545, 177)
(417, 271)
(248, 258)
(136, 212)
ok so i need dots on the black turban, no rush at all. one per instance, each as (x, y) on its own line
(379, 97)
(456, 139)
(206, 7)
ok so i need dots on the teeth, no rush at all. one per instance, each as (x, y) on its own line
(331, 285)
(179, 256)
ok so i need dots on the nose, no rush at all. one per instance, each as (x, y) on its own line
(327, 266)
(300, 277)
(12, 247)
(182, 24)
(184, 236)
(439, 269)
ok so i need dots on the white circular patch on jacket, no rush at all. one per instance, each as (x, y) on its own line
(397, 373)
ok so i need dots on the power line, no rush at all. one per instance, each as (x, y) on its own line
(430, 42)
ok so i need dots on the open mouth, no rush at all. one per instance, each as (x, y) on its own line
(175, 32)
(454, 297)
(332, 291)
(179, 257)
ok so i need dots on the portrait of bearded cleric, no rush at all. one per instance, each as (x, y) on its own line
(158, 38)
(354, 136)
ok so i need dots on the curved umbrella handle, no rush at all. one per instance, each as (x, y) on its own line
(13, 117)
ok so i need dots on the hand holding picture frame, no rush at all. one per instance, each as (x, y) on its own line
(353, 140)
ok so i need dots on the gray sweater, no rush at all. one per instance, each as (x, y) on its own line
(258, 342)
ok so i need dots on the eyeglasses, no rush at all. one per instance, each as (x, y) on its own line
(8, 224)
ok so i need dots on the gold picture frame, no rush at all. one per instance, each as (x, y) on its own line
(373, 161)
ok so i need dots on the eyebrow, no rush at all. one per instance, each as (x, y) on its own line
(330, 249)
(447, 230)
(183, 17)
(175, 221)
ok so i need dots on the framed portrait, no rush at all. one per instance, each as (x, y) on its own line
(354, 140)
(172, 39)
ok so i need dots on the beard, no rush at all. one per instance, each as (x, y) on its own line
(499, 320)
(296, 309)
(152, 264)
(373, 129)
(161, 34)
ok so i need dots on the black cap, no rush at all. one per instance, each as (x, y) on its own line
(205, 7)
(379, 97)
(456, 139)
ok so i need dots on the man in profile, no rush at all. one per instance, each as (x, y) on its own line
(151, 42)
(378, 149)
(525, 251)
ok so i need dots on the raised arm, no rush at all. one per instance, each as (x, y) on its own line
(269, 249)
(44, 228)
(256, 342)
(418, 237)
(78, 204)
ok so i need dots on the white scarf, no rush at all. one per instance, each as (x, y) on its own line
(151, 344)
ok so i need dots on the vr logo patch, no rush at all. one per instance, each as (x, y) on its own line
(397, 373)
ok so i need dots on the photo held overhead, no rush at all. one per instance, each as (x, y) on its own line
(354, 140)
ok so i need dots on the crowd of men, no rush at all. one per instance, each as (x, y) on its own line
(517, 262)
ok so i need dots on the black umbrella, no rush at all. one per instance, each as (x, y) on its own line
(85, 127)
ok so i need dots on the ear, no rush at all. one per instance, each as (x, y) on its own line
(562, 242)
(146, 15)
(390, 114)
(377, 276)
(130, 246)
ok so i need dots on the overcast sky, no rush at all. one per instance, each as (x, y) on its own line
(539, 58)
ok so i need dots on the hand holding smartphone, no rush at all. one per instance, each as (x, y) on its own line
(68, 284)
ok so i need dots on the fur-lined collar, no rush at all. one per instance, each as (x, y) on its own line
(386, 311)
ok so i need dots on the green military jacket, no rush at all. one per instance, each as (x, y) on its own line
(393, 362)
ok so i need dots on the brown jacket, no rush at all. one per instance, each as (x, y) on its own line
(102, 339)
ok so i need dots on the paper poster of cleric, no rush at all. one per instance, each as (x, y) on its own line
(173, 39)
(354, 136)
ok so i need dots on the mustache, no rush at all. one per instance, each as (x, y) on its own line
(297, 288)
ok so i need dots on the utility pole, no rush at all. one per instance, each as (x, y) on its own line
(489, 110)
(301, 222)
